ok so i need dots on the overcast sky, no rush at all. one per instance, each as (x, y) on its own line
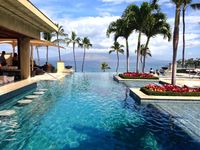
(91, 18)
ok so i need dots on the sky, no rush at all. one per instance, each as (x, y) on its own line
(90, 18)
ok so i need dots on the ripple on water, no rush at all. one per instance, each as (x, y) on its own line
(91, 111)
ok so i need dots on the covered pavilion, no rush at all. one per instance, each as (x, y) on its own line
(22, 21)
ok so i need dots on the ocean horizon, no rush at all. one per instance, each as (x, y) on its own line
(95, 66)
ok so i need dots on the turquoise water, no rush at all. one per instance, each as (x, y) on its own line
(91, 112)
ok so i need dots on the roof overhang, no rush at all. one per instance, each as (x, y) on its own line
(16, 13)
(13, 42)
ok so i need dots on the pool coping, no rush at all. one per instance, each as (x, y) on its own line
(16, 88)
(139, 95)
(119, 79)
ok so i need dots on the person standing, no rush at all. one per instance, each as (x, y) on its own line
(2, 59)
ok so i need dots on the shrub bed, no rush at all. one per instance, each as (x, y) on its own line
(170, 90)
(133, 75)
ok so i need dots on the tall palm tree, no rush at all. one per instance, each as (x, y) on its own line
(178, 4)
(144, 52)
(48, 37)
(58, 40)
(85, 44)
(120, 28)
(104, 66)
(185, 3)
(136, 17)
(155, 24)
(118, 48)
(74, 40)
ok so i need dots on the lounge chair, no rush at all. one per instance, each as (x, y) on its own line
(197, 73)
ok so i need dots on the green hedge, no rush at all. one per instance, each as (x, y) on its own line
(125, 77)
(150, 92)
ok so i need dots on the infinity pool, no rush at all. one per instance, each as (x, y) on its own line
(90, 111)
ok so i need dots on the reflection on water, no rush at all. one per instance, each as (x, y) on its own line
(91, 111)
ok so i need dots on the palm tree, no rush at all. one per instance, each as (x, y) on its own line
(120, 28)
(74, 40)
(178, 4)
(47, 36)
(118, 49)
(155, 24)
(85, 44)
(144, 52)
(185, 3)
(104, 66)
(58, 33)
(136, 17)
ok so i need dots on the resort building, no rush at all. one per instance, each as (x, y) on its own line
(22, 21)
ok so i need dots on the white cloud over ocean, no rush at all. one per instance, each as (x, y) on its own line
(91, 18)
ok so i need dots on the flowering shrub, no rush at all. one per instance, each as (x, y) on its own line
(134, 75)
(170, 90)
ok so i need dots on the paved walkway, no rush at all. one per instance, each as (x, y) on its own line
(7, 88)
(190, 82)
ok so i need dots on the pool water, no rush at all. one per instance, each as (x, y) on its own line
(90, 111)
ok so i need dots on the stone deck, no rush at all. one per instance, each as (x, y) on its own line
(13, 89)
(138, 95)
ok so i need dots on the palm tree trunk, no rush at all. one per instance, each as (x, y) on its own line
(47, 55)
(183, 52)
(138, 52)
(83, 60)
(74, 57)
(127, 56)
(117, 62)
(58, 48)
(175, 44)
(144, 58)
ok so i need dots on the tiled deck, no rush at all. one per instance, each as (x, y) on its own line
(191, 82)
(12, 89)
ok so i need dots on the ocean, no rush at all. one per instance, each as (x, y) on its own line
(95, 66)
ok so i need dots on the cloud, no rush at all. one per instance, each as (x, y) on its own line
(119, 1)
(95, 28)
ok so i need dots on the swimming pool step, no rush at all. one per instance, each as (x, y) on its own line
(31, 96)
(24, 102)
(38, 93)
(42, 90)
(7, 113)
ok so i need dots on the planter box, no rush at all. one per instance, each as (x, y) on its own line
(139, 95)
(119, 79)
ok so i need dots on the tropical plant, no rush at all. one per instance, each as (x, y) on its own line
(118, 48)
(58, 40)
(144, 52)
(178, 4)
(48, 37)
(120, 28)
(104, 66)
(85, 44)
(74, 40)
(156, 23)
(136, 17)
(185, 3)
